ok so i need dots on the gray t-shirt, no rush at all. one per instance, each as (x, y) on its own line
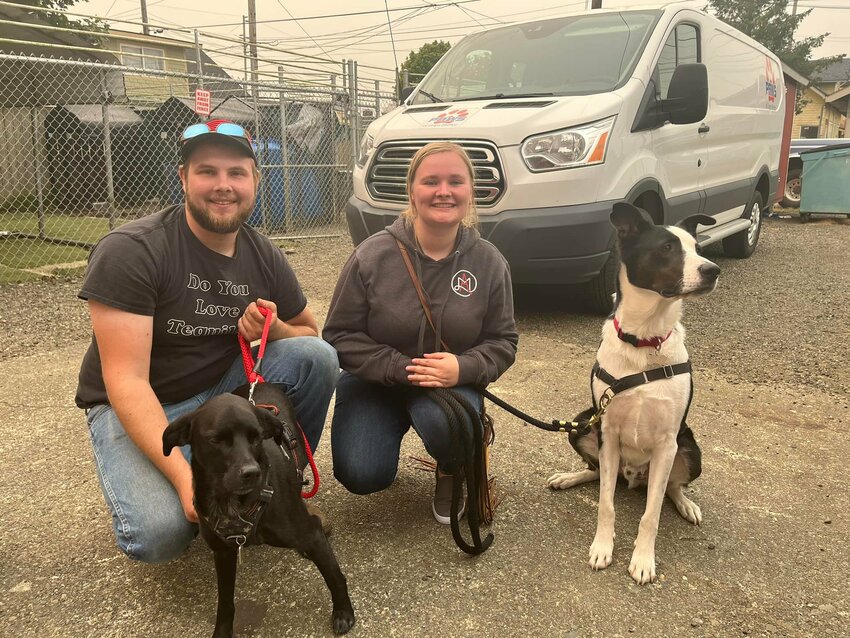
(157, 267)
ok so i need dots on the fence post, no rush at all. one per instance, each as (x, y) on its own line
(258, 142)
(106, 98)
(377, 99)
(352, 111)
(39, 181)
(284, 156)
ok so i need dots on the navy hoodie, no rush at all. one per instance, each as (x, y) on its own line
(377, 325)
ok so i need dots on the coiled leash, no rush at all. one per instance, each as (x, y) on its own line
(252, 372)
(455, 406)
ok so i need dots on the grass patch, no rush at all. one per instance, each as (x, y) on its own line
(14, 276)
(73, 227)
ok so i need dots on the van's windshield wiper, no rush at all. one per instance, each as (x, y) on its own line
(431, 96)
(497, 96)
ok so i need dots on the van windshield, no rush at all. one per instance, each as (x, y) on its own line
(575, 55)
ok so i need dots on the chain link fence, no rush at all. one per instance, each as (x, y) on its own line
(88, 146)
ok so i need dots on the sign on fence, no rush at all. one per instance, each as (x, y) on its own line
(202, 102)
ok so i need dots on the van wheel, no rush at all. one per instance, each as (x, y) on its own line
(742, 245)
(793, 187)
(598, 293)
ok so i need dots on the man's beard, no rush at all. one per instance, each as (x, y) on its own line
(214, 224)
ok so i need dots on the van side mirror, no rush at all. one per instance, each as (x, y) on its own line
(405, 92)
(687, 96)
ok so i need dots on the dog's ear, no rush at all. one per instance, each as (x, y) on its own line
(689, 224)
(177, 433)
(629, 220)
(272, 427)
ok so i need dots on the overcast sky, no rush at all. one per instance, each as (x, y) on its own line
(414, 22)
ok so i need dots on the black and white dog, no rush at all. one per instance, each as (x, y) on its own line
(642, 377)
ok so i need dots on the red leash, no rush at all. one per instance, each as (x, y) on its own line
(252, 371)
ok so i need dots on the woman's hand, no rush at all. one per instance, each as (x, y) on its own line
(434, 370)
(252, 321)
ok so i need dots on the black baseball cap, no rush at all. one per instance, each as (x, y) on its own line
(218, 130)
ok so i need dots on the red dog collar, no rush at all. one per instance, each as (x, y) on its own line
(652, 342)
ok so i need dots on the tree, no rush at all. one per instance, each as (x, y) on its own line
(58, 19)
(419, 62)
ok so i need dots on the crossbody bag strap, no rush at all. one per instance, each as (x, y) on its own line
(419, 292)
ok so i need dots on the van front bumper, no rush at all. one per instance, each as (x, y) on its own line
(557, 245)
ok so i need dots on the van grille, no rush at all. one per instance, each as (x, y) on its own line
(388, 170)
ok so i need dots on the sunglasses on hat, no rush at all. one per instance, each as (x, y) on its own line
(228, 129)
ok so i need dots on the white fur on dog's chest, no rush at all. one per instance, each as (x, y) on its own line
(648, 415)
(644, 418)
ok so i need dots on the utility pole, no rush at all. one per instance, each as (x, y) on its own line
(145, 28)
(794, 8)
(252, 38)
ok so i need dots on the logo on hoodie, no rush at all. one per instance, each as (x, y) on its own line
(464, 283)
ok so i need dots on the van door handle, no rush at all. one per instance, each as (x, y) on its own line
(704, 128)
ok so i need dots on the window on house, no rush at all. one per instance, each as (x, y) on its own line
(149, 58)
(809, 132)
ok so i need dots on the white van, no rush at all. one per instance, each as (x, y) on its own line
(668, 108)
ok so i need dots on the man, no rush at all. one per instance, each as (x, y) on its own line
(167, 295)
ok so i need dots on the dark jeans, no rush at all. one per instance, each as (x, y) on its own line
(369, 423)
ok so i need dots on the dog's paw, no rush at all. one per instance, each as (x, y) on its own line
(690, 511)
(642, 567)
(343, 620)
(566, 480)
(601, 553)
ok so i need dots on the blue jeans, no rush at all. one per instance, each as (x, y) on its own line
(146, 513)
(369, 423)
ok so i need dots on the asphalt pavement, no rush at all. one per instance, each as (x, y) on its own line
(772, 557)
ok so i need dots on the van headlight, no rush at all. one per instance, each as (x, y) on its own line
(578, 146)
(367, 143)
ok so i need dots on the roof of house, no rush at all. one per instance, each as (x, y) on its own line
(835, 72)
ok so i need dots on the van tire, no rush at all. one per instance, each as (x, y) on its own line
(793, 186)
(597, 294)
(742, 245)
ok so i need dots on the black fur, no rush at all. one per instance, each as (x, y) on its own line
(234, 446)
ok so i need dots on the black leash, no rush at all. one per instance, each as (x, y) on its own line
(455, 406)
(556, 425)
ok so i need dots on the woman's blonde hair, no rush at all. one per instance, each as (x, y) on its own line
(471, 217)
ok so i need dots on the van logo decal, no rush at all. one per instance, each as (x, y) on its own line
(449, 118)
(769, 81)
(464, 283)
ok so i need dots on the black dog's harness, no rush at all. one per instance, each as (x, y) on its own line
(236, 532)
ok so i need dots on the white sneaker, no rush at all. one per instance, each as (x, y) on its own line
(442, 504)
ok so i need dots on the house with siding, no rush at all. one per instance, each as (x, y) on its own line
(827, 106)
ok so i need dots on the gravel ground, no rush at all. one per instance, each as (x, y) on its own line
(770, 412)
(784, 316)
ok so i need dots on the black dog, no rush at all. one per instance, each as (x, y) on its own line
(247, 469)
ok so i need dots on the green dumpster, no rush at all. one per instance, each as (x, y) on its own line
(826, 182)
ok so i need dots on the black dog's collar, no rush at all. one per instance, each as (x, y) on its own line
(652, 342)
(235, 532)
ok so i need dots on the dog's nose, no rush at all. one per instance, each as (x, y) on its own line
(249, 473)
(709, 271)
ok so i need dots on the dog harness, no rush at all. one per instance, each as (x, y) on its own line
(236, 532)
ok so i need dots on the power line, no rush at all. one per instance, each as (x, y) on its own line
(390, 27)
(341, 15)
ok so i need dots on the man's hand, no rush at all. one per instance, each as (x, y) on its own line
(435, 370)
(252, 321)
(187, 495)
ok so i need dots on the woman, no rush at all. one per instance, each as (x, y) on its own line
(387, 348)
